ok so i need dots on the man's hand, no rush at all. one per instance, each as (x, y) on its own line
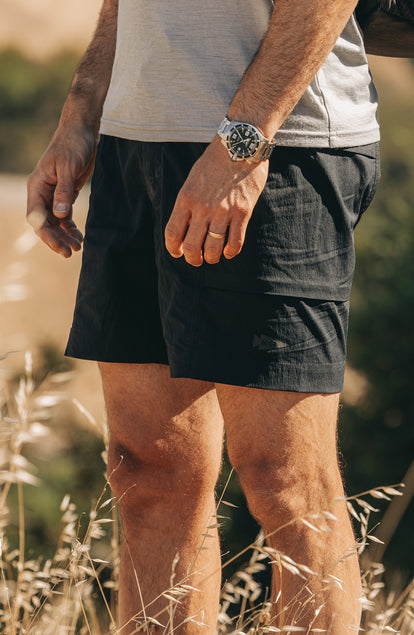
(54, 185)
(218, 196)
(68, 161)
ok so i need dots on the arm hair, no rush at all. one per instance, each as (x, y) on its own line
(300, 36)
(91, 80)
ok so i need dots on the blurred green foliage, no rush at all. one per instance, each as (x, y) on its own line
(68, 463)
(377, 434)
(31, 97)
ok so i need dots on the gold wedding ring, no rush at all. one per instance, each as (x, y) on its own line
(215, 234)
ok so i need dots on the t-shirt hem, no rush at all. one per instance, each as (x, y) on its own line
(307, 139)
(298, 138)
(156, 134)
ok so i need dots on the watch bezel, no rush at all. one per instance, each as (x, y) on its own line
(263, 146)
(255, 137)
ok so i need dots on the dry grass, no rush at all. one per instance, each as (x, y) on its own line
(67, 594)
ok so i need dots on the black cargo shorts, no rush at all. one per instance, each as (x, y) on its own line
(273, 317)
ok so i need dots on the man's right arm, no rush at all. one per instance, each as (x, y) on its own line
(69, 159)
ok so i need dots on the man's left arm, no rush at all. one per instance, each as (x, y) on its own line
(219, 194)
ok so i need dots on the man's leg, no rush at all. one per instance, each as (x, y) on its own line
(283, 447)
(164, 459)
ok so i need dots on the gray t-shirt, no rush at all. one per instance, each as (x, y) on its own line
(178, 64)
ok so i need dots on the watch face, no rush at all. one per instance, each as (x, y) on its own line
(243, 140)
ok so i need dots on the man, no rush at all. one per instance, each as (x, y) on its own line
(245, 304)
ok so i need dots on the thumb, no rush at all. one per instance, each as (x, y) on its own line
(63, 197)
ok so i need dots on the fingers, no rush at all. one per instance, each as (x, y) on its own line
(201, 239)
(235, 241)
(214, 243)
(37, 217)
(62, 237)
(59, 240)
(73, 233)
(176, 229)
(56, 241)
(204, 235)
(64, 194)
(49, 212)
(193, 242)
(229, 243)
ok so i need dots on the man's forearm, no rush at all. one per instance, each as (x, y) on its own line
(91, 81)
(300, 36)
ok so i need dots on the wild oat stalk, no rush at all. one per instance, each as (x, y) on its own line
(383, 612)
(56, 596)
(65, 594)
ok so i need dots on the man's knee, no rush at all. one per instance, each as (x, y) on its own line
(160, 473)
(284, 452)
(136, 472)
(277, 494)
(165, 436)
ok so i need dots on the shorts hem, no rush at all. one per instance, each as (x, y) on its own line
(116, 359)
(314, 383)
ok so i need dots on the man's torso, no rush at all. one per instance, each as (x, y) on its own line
(178, 65)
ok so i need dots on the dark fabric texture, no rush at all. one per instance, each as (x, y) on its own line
(403, 9)
(387, 26)
(273, 317)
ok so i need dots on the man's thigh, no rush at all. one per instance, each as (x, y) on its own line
(154, 419)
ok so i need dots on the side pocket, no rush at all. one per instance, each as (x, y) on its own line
(372, 184)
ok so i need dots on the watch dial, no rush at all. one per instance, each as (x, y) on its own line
(243, 140)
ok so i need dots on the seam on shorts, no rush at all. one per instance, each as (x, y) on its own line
(306, 344)
(196, 287)
(288, 382)
(366, 201)
(281, 289)
(199, 288)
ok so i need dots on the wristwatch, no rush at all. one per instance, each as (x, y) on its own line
(244, 142)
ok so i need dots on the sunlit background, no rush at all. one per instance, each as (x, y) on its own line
(40, 44)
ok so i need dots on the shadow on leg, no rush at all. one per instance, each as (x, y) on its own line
(284, 449)
(164, 459)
